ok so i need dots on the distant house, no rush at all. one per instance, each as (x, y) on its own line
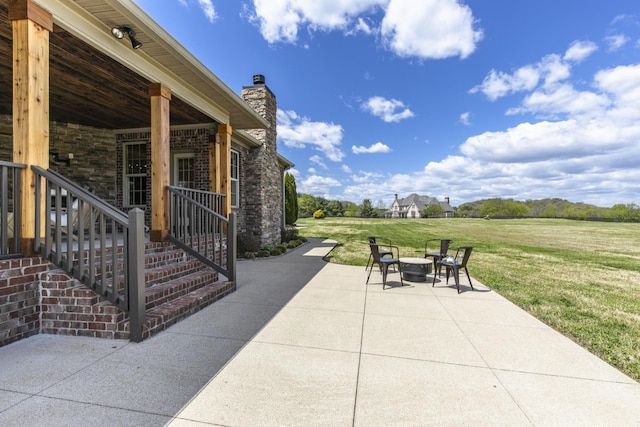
(413, 205)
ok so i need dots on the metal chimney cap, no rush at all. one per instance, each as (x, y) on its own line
(258, 79)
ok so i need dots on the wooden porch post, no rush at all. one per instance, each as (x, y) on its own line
(220, 165)
(160, 161)
(214, 163)
(31, 26)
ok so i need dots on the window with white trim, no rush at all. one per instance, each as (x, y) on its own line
(135, 174)
(184, 170)
(235, 182)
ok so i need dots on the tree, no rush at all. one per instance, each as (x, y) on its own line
(434, 210)
(351, 210)
(367, 210)
(334, 208)
(290, 199)
(307, 205)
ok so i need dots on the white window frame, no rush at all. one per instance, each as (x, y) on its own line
(176, 172)
(126, 196)
(234, 177)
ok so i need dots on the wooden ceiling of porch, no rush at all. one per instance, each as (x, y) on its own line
(88, 87)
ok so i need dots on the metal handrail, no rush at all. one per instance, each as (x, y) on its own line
(93, 242)
(197, 227)
(10, 216)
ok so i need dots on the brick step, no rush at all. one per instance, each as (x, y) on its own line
(168, 290)
(162, 316)
(161, 264)
(176, 286)
(171, 271)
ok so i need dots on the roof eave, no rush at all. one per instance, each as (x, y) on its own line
(162, 58)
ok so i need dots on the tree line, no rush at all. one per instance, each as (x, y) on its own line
(307, 206)
(547, 208)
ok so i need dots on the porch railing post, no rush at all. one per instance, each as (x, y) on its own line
(231, 247)
(135, 261)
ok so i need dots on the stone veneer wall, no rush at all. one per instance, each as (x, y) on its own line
(263, 178)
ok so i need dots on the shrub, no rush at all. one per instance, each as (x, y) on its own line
(249, 255)
(275, 251)
(288, 234)
(318, 214)
(247, 243)
(263, 253)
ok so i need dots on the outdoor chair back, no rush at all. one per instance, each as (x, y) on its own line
(384, 262)
(431, 251)
(454, 264)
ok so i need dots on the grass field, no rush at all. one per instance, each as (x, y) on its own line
(582, 278)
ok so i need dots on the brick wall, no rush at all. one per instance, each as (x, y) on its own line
(70, 308)
(20, 298)
(94, 154)
(98, 162)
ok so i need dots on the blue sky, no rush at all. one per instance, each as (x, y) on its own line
(462, 99)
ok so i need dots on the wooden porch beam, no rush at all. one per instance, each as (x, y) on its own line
(160, 160)
(31, 26)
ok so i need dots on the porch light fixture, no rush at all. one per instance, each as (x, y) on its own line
(119, 32)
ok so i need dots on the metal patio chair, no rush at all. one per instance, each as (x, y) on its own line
(437, 254)
(454, 264)
(384, 250)
(384, 263)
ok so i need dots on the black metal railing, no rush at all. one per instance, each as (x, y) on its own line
(197, 226)
(10, 220)
(92, 241)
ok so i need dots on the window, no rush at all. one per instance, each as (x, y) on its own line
(135, 174)
(184, 173)
(235, 182)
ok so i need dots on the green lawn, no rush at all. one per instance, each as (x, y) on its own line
(582, 278)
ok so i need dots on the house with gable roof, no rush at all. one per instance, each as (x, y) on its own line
(127, 170)
(413, 205)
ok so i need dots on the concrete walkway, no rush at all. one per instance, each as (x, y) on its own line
(303, 343)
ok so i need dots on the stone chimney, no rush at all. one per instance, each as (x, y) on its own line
(262, 186)
(446, 200)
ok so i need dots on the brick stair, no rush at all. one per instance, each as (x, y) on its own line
(177, 286)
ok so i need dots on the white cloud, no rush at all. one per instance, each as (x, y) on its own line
(465, 118)
(345, 169)
(317, 184)
(298, 132)
(363, 26)
(579, 50)
(364, 177)
(498, 84)
(280, 20)
(318, 161)
(208, 9)
(378, 147)
(432, 29)
(389, 110)
(549, 71)
(590, 156)
(616, 41)
(427, 29)
(563, 99)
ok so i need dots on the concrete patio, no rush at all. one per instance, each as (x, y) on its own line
(303, 342)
